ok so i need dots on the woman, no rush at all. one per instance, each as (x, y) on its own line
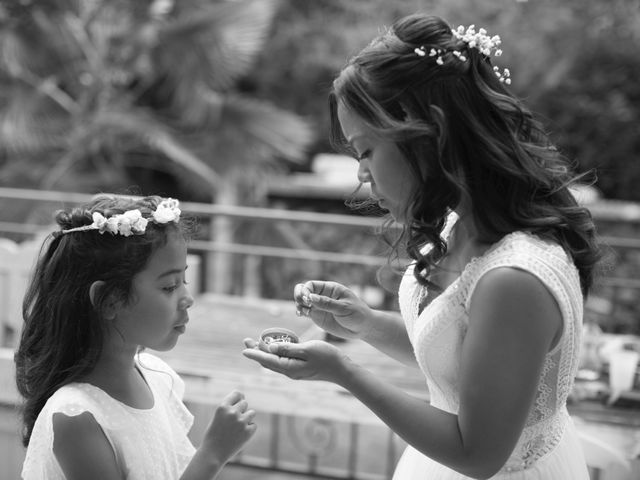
(503, 257)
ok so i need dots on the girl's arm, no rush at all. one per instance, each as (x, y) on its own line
(230, 429)
(513, 321)
(82, 449)
(83, 452)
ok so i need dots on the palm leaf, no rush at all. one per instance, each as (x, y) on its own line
(130, 129)
(284, 134)
(228, 36)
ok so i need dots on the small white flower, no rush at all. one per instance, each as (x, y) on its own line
(439, 61)
(124, 227)
(98, 221)
(111, 225)
(420, 51)
(167, 211)
(139, 226)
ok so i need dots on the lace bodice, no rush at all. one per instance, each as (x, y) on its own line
(148, 444)
(438, 332)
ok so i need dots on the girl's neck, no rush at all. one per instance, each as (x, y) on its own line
(115, 364)
(119, 376)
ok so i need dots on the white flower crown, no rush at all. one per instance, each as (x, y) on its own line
(132, 222)
(478, 40)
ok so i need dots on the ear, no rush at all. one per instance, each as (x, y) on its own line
(108, 310)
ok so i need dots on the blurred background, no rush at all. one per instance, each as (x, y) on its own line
(222, 104)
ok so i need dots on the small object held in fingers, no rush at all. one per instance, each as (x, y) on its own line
(276, 335)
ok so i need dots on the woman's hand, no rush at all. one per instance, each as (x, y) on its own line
(312, 360)
(334, 308)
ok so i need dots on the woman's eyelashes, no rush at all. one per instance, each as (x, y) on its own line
(363, 155)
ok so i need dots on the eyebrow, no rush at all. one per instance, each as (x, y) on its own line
(173, 271)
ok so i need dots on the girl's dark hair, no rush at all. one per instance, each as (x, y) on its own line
(63, 331)
(466, 138)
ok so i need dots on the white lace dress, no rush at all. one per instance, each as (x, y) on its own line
(548, 448)
(148, 444)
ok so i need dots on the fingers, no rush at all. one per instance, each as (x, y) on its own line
(235, 401)
(248, 416)
(242, 406)
(301, 294)
(276, 363)
(289, 350)
(250, 343)
(232, 398)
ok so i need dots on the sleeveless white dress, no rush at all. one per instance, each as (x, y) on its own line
(149, 444)
(548, 448)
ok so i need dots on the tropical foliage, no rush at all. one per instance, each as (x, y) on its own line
(575, 62)
(100, 94)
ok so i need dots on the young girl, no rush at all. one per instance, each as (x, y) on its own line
(503, 256)
(108, 284)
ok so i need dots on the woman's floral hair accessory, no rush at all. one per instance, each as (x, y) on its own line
(132, 222)
(474, 39)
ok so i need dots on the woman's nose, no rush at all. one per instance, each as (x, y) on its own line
(364, 175)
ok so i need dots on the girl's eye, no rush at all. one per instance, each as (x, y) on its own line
(175, 286)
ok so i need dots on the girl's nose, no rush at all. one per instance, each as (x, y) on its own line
(364, 175)
(186, 301)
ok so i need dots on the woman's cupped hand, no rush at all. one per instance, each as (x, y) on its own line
(312, 360)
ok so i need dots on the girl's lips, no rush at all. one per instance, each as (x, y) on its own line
(181, 328)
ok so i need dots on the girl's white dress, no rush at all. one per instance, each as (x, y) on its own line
(148, 444)
(548, 448)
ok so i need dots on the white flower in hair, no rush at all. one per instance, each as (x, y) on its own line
(132, 222)
(98, 221)
(111, 225)
(167, 211)
(479, 40)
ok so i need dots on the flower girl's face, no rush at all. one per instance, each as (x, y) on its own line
(156, 313)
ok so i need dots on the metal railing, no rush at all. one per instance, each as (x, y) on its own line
(613, 286)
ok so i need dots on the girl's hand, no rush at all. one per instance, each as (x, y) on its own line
(312, 360)
(231, 427)
(334, 308)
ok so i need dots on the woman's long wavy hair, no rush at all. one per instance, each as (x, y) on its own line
(63, 331)
(466, 138)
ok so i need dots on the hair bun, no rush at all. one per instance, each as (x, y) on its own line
(78, 217)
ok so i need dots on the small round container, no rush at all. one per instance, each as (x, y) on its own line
(276, 335)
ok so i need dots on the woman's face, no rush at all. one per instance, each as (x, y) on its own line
(381, 164)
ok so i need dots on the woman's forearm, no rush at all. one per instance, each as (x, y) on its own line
(432, 431)
(388, 334)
